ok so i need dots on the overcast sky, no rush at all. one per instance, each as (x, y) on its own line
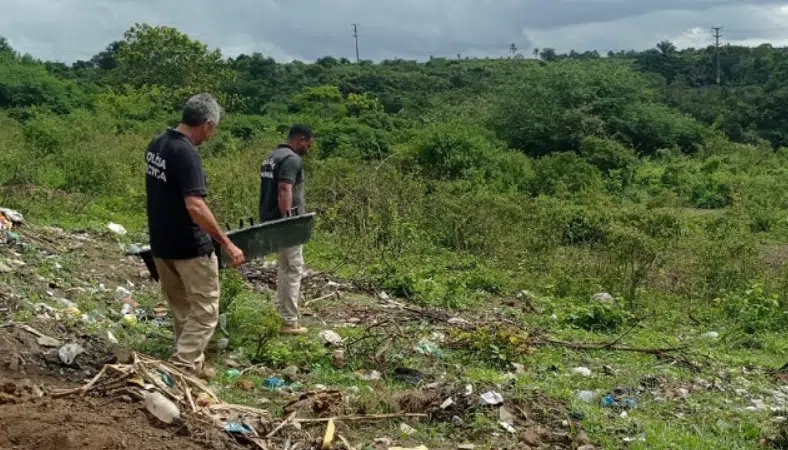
(68, 30)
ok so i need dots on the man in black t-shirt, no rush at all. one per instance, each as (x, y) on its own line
(181, 226)
(282, 195)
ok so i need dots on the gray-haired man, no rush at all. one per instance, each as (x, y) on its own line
(181, 226)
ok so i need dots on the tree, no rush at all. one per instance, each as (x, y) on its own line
(548, 54)
(5, 47)
(165, 57)
(666, 48)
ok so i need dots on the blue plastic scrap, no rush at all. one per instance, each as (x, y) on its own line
(238, 427)
(273, 383)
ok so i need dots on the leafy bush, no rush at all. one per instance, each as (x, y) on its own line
(755, 309)
(599, 317)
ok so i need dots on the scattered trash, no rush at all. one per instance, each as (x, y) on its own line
(273, 383)
(46, 341)
(328, 337)
(577, 415)
(518, 368)
(290, 372)
(238, 428)
(111, 337)
(427, 347)
(232, 373)
(468, 390)
(710, 335)
(583, 371)
(65, 302)
(457, 421)
(508, 427)
(410, 376)
(328, 438)
(382, 441)
(466, 447)
(608, 401)
(383, 296)
(587, 396)
(167, 379)
(204, 399)
(586, 447)
(223, 343)
(407, 429)
(15, 217)
(491, 398)
(124, 295)
(603, 297)
(5, 269)
(458, 321)
(126, 309)
(117, 229)
(69, 352)
(161, 408)
(447, 403)
(624, 415)
(640, 438)
(371, 376)
(129, 319)
(504, 416)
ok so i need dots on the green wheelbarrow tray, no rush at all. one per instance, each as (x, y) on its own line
(255, 241)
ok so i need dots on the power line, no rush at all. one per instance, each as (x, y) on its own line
(717, 49)
(355, 35)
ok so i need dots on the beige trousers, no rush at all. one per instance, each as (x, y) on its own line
(191, 287)
(288, 283)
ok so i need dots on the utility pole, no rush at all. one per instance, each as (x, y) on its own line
(717, 50)
(355, 35)
(513, 49)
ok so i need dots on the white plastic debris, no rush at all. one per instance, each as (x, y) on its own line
(122, 293)
(371, 376)
(65, 302)
(162, 408)
(14, 216)
(508, 427)
(223, 343)
(111, 337)
(383, 296)
(710, 335)
(69, 352)
(458, 321)
(491, 398)
(505, 416)
(126, 309)
(329, 337)
(582, 371)
(117, 228)
(446, 403)
(587, 396)
(407, 429)
(603, 297)
(468, 390)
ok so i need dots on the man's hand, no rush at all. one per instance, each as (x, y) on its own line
(203, 217)
(235, 254)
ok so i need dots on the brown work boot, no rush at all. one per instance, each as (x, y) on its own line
(293, 329)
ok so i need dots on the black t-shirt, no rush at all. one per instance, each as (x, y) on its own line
(174, 171)
(283, 164)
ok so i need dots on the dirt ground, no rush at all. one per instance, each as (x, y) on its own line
(30, 418)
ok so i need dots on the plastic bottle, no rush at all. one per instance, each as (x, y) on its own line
(162, 408)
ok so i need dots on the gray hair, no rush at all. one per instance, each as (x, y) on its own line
(200, 109)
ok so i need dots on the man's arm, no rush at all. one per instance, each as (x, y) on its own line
(285, 197)
(201, 214)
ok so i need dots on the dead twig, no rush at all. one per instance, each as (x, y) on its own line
(358, 418)
(320, 298)
(280, 426)
(629, 330)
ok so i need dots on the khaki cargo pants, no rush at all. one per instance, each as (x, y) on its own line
(288, 283)
(191, 287)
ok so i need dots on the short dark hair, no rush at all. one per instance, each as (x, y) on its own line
(300, 129)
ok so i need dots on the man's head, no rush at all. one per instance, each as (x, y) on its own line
(201, 115)
(300, 138)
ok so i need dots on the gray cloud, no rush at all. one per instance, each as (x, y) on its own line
(413, 29)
